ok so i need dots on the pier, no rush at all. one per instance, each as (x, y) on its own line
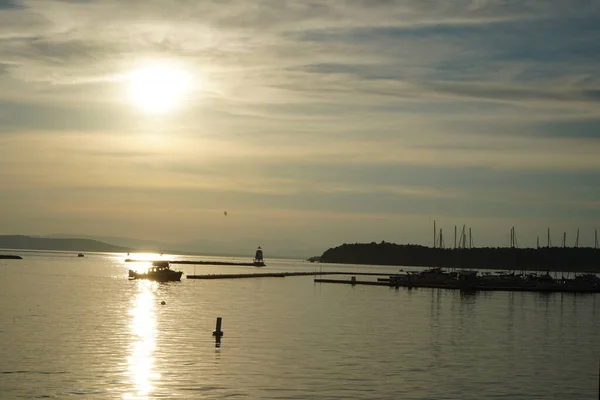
(457, 286)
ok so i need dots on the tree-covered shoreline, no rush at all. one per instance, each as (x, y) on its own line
(580, 259)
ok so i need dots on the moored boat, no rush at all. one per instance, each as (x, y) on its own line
(159, 272)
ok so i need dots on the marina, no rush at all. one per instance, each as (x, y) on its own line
(469, 280)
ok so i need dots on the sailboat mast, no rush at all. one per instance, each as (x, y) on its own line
(512, 237)
(434, 235)
(470, 239)
(455, 236)
(577, 239)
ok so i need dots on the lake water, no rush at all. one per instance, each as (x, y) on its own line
(78, 327)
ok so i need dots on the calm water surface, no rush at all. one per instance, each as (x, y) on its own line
(78, 327)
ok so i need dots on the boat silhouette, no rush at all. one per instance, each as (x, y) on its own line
(159, 272)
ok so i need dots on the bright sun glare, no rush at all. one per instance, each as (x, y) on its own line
(159, 88)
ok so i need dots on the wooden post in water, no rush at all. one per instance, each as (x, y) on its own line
(218, 332)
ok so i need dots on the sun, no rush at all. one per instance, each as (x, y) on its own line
(159, 88)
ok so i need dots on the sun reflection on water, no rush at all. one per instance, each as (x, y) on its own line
(143, 335)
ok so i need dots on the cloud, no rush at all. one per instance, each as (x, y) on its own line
(365, 108)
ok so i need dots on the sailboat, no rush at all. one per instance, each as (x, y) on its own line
(258, 258)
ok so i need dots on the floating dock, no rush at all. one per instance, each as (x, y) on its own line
(457, 286)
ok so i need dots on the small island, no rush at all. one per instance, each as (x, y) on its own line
(566, 259)
(10, 257)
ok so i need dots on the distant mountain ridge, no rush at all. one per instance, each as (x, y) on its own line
(64, 244)
(206, 246)
(275, 247)
(132, 243)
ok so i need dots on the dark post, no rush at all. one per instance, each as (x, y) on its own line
(218, 333)
(353, 280)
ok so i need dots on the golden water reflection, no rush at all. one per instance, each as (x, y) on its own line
(143, 342)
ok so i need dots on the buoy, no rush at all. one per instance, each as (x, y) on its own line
(162, 303)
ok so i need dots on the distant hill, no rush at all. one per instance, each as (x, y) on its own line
(65, 244)
(149, 246)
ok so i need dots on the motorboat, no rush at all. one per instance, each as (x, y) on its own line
(159, 271)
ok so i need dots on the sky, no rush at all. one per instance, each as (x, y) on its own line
(312, 123)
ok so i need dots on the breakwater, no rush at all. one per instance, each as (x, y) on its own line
(203, 262)
(580, 259)
(278, 275)
(10, 257)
